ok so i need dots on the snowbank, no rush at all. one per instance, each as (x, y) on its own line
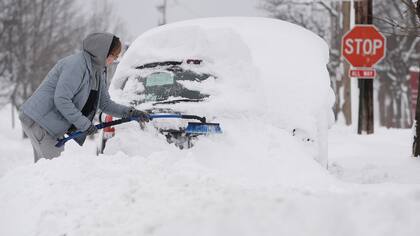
(211, 191)
(170, 194)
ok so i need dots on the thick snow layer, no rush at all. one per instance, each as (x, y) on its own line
(264, 153)
(266, 69)
(372, 187)
(388, 160)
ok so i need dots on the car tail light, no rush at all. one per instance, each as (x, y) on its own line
(109, 132)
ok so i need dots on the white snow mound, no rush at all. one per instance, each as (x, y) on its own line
(267, 69)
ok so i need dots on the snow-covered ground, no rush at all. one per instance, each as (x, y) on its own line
(373, 159)
(372, 188)
(254, 179)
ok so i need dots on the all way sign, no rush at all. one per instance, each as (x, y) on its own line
(363, 47)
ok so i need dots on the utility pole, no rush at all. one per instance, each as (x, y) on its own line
(162, 10)
(363, 9)
(346, 7)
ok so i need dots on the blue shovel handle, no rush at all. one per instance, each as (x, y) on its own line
(61, 142)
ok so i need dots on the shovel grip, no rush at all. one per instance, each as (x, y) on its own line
(61, 142)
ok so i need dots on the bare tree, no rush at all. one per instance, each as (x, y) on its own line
(414, 11)
(41, 32)
(399, 22)
(399, 25)
(35, 34)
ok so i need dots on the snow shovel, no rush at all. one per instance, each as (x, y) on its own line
(192, 128)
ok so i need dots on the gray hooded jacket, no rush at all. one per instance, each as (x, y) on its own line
(58, 101)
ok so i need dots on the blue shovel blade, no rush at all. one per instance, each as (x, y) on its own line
(203, 128)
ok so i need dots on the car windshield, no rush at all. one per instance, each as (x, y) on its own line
(167, 83)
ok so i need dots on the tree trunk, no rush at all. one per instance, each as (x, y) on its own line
(346, 79)
(398, 115)
(416, 146)
(337, 107)
(13, 113)
(381, 104)
(389, 113)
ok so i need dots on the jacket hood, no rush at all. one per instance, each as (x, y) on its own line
(97, 45)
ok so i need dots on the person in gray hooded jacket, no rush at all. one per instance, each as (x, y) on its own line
(68, 98)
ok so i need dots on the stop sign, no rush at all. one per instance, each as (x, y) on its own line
(363, 46)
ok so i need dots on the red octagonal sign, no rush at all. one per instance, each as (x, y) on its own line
(363, 46)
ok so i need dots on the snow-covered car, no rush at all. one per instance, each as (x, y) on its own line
(263, 80)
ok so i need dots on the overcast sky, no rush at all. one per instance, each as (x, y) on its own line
(141, 15)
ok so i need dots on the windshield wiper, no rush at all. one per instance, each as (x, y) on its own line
(178, 100)
(155, 64)
(169, 63)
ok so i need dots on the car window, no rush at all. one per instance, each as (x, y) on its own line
(159, 79)
(164, 83)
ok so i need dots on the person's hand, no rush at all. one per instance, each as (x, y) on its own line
(141, 115)
(91, 130)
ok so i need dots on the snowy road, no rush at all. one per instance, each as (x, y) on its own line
(372, 188)
(380, 158)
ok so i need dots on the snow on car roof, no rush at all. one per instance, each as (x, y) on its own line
(265, 67)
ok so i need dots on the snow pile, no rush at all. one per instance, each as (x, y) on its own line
(254, 153)
(119, 195)
(266, 69)
(223, 53)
